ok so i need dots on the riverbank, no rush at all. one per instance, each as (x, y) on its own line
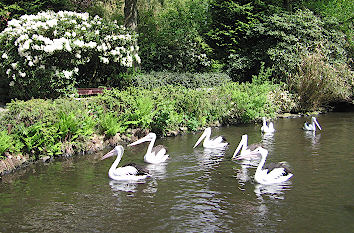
(39, 130)
(98, 143)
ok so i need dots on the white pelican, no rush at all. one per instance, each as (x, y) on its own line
(267, 128)
(312, 126)
(218, 142)
(155, 154)
(272, 173)
(130, 171)
(247, 152)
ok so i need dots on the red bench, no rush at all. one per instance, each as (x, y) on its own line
(91, 91)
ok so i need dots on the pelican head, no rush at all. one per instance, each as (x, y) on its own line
(206, 132)
(242, 144)
(118, 150)
(260, 150)
(147, 138)
(314, 120)
(312, 126)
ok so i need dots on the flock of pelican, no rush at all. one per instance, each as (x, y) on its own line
(265, 174)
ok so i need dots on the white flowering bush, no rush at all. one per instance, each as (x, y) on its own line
(50, 53)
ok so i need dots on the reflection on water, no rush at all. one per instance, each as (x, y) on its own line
(268, 141)
(195, 190)
(124, 185)
(157, 171)
(273, 191)
(314, 138)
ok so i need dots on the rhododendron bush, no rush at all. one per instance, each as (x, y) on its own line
(50, 53)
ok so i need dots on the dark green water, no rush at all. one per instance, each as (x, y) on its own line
(196, 190)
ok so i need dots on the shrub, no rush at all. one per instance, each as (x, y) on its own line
(5, 142)
(49, 53)
(286, 36)
(170, 38)
(109, 125)
(189, 80)
(248, 102)
(320, 83)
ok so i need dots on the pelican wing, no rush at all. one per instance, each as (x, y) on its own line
(218, 140)
(136, 170)
(159, 150)
(125, 171)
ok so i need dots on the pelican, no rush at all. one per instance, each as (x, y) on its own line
(312, 126)
(267, 128)
(155, 154)
(247, 152)
(218, 142)
(130, 171)
(272, 173)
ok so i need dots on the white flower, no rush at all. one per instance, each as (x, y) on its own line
(14, 65)
(79, 43)
(78, 55)
(67, 46)
(67, 74)
(4, 55)
(105, 60)
(22, 74)
(8, 71)
(91, 44)
(30, 63)
(12, 83)
(52, 22)
(137, 58)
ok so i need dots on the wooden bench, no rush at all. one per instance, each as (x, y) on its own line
(91, 91)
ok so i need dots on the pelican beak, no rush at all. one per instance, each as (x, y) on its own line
(318, 125)
(109, 154)
(240, 145)
(141, 140)
(199, 140)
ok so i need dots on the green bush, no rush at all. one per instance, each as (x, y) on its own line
(189, 80)
(170, 37)
(319, 83)
(286, 36)
(5, 142)
(109, 125)
(47, 54)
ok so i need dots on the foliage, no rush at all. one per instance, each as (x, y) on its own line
(320, 83)
(298, 33)
(109, 125)
(248, 102)
(5, 142)
(230, 21)
(14, 9)
(188, 80)
(54, 127)
(341, 10)
(49, 53)
(170, 39)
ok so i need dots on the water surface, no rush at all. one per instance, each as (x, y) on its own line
(196, 190)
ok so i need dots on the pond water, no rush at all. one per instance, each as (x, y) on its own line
(196, 190)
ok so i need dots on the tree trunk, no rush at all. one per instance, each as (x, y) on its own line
(131, 14)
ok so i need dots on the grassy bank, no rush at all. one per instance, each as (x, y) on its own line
(40, 128)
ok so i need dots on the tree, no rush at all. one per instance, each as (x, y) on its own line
(131, 14)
